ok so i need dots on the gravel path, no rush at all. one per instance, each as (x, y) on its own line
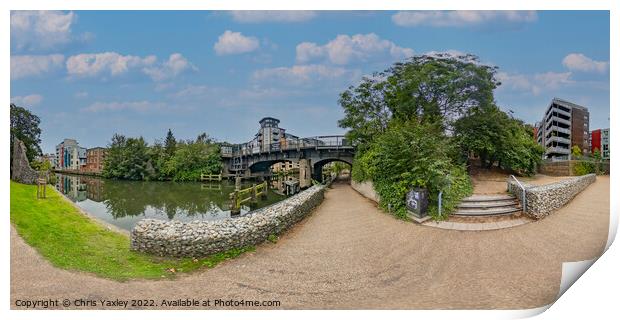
(350, 255)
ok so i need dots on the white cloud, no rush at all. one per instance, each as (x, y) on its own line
(258, 16)
(142, 106)
(106, 63)
(302, 73)
(553, 80)
(580, 62)
(344, 49)
(26, 66)
(535, 83)
(27, 101)
(41, 29)
(174, 66)
(80, 94)
(460, 18)
(234, 43)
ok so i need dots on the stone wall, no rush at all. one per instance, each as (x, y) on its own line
(20, 167)
(567, 167)
(366, 189)
(201, 238)
(542, 200)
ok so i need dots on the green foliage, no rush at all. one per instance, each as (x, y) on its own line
(576, 151)
(127, 158)
(71, 240)
(411, 154)
(170, 144)
(133, 159)
(272, 238)
(497, 137)
(428, 88)
(191, 159)
(585, 167)
(25, 127)
(44, 165)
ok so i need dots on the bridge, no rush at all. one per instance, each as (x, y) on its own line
(272, 145)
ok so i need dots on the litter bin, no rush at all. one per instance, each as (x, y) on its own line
(417, 202)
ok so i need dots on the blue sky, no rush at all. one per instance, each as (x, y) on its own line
(90, 74)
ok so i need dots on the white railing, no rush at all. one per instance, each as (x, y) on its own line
(524, 199)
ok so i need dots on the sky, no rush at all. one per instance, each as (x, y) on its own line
(90, 74)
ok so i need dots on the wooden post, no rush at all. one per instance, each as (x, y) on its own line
(235, 208)
(263, 193)
(253, 194)
(237, 183)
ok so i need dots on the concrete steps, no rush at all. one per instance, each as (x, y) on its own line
(487, 205)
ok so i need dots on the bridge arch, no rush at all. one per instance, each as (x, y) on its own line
(262, 166)
(317, 167)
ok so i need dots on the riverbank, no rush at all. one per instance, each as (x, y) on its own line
(351, 255)
(72, 241)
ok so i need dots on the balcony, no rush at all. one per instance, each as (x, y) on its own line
(558, 150)
(558, 139)
(562, 112)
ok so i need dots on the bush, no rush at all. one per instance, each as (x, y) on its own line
(584, 167)
(408, 155)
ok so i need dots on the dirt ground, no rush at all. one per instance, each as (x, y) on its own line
(493, 182)
(350, 255)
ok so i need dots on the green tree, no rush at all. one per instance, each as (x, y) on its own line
(576, 151)
(191, 159)
(127, 158)
(498, 138)
(170, 143)
(25, 127)
(434, 89)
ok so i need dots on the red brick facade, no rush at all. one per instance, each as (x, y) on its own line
(94, 160)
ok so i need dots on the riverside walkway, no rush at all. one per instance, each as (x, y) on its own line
(350, 255)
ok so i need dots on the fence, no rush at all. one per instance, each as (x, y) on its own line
(238, 197)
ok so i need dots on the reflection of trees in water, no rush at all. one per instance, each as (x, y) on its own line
(133, 198)
(130, 198)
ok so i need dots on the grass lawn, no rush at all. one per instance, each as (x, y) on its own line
(71, 240)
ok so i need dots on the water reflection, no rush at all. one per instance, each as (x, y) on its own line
(123, 203)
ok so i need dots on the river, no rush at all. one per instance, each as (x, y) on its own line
(123, 203)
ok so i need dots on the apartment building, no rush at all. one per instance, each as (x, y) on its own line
(69, 155)
(94, 159)
(599, 140)
(285, 166)
(564, 125)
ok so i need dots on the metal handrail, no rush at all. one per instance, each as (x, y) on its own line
(523, 190)
(439, 200)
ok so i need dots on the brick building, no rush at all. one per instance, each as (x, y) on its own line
(564, 125)
(599, 140)
(94, 160)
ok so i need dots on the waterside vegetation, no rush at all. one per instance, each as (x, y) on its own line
(73, 241)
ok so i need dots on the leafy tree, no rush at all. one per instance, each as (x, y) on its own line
(498, 138)
(482, 131)
(127, 158)
(433, 89)
(576, 151)
(191, 159)
(25, 127)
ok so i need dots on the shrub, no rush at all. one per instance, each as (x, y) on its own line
(584, 167)
(408, 155)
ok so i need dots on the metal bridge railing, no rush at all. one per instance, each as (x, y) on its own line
(245, 149)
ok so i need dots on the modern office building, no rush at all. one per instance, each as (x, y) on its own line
(599, 140)
(564, 125)
(69, 155)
